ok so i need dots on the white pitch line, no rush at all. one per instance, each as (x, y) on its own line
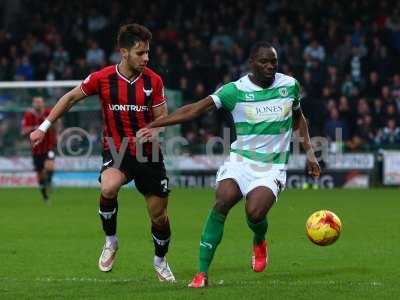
(219, 282)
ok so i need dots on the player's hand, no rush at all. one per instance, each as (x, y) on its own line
(36, 137)
(147, 134)
(313, 167)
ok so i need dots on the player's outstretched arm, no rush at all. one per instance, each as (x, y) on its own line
(185, 113)
(300, 123)
(149, 134)
(62, 105)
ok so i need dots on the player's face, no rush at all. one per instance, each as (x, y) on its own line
(138, 56)
(38, 103)
(264, 64)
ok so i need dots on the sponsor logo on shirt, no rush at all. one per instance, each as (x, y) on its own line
(249, 96)
(266, 111)
(127, 107)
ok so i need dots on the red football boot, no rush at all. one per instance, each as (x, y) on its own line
(259, 260)
(199, 281)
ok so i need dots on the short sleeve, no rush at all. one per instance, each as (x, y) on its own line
(225, 96)
(296, 96)
(90, 85)
(159, 93)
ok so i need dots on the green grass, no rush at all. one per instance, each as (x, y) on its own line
(51, 252)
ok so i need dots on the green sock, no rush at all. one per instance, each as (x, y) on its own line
(259, 229)
(210, 238)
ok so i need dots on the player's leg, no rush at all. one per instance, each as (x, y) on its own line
(161, 234)
(258, 202)
(111, 181)
(49, 167)
(38, 162)
(152, 182)
(227, 195)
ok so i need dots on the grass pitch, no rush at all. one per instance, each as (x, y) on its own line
(51, 252)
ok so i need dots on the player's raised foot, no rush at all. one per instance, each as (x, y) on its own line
(107, 256)
(200, 280)
(259, 259)
(163, 271)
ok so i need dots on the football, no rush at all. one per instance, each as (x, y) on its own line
(323, 227)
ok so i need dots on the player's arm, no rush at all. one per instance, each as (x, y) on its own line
(65, 103)
(148, 134)
(62, 106)
(185, 113)
(300, 124)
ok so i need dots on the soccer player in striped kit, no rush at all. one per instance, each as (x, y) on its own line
(43, 155)
(265, 106)
(131, 96)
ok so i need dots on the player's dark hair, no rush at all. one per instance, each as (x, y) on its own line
(261, 44)
(130, 34)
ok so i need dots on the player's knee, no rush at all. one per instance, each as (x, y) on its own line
(109, 190)
(159, 219)
(225, 200)
(223, 206)
(255, 214)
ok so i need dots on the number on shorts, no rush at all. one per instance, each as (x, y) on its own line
(164, 184)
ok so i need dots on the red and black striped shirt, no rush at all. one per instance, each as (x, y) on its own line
(126, 105)
(31, 121)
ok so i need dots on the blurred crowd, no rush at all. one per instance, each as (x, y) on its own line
(345, 54)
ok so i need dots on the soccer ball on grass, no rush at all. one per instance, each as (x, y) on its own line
(323, 227)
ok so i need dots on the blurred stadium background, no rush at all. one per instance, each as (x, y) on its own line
(345, 55)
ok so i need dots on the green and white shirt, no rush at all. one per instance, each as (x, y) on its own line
(263, 118)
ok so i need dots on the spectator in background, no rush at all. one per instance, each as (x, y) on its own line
(6, 71)
(393, 24)
(395, 88)
(96, 21)
(333, 80)
(372, 89)
(364, 135)
(356, 65)
(81, 69)
(24, 69)
(335, 127)
(345, 112)
(344, 52)
(389, 136)
(95, 56)
(314, 51)
(378, 112)
(390, 112)
(221, 41)
(294, 54)
(60, 58)
(347, 86)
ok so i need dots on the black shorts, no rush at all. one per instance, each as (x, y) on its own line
(150, 177)
(39, 159)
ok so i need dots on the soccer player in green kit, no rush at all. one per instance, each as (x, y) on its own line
(265, 106)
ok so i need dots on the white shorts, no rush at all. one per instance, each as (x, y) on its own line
(248, 177)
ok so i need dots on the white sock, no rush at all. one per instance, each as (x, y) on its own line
(158, 260)
(111, 239)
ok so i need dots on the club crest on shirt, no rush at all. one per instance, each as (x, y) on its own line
(283, 92)
(147, 92)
